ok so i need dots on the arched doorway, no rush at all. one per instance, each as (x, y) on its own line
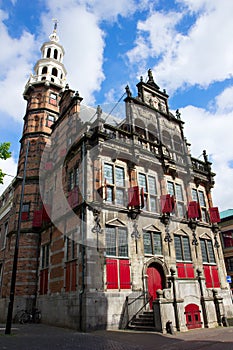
(193, 318)
(156, 280)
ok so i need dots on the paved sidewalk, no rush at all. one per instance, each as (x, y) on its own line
(43, 337)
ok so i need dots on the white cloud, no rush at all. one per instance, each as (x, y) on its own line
(224, 101)
(8, 166)
(213, 132)
(16, 62)
(102, 9)
(202, 56)
(83, 39)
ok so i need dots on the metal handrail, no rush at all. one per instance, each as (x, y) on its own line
(143, 306)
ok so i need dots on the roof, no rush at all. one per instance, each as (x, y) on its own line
(226, 213)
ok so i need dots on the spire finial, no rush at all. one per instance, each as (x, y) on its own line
(54, 36)
(55, 25)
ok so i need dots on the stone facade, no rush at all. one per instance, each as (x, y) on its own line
(115, 218)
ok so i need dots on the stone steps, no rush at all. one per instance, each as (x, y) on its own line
(143, 322)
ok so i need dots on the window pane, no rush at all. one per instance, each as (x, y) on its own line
(203, 251)
(119, 196)
(108, 173)
(157, 243)
(201, 198)
(178, 248)
(142, 181)
(229, 264)
(120, 181)
(76, 176)
(186, 248)
(147, 243)
(71, 180)
(25, 207)
(204, 215)
(122, 242)
(109, 194)
(179, 193)
(110, 236)
(152, 185)
(170, 188)
(180, 210)
(210, 251)
(194, 195)
(153, 206)
(227, 239)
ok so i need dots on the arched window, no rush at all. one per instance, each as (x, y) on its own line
(55, 54)
(140, 128)
(44, 70)
(177, 144)
(152, 133)
(49, 52)
(54, 72)
(167, 139)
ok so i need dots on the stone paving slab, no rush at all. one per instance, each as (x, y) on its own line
(43, 337)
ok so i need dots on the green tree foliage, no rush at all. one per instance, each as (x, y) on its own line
(4, 154)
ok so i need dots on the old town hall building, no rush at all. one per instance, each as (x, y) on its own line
(117, 225)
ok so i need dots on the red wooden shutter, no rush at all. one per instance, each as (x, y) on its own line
(41, 282)
(124, 274)
(214, 215)
(73, 279)
(37, 218)
(24, 216)
(112, 274)
(208, 278)
(193, 210)
(189, 271)
(173, 202)
(46, 213)
(44, 281)
(166, 203)
(67, 277)
(215, 277)
(181, 270)
(133, 197)
(142, 198)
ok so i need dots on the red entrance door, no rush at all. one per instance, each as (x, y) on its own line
(155, 282)
(193, 318)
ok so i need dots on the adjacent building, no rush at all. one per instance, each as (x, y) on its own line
(226, 226)
(117, 217)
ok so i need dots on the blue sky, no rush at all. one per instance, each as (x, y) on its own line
(187, 44)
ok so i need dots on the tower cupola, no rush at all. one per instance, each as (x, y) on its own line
(50, 68)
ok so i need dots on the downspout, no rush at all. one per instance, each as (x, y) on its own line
(173, 278)
(205, 319)
(82, 240)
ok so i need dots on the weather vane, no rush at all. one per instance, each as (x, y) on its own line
(55, 24)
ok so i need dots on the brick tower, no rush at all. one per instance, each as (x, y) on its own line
(42, 93)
